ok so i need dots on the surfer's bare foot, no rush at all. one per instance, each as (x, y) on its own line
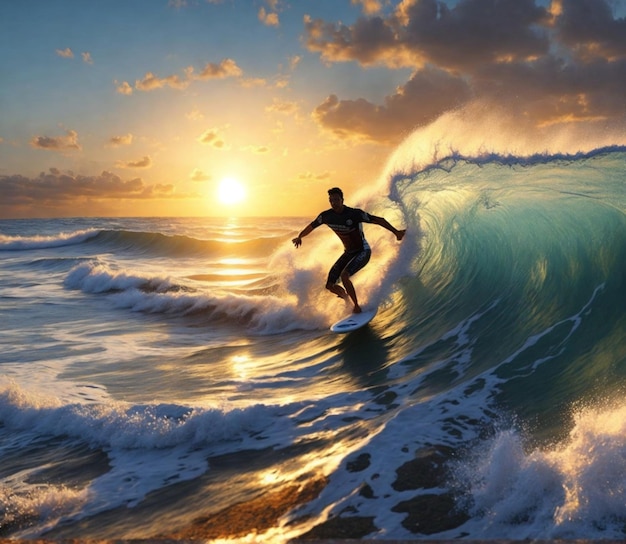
(357, 309)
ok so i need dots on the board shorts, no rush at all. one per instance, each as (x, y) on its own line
(351, 261)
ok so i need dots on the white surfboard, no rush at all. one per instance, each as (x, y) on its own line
(354, 321)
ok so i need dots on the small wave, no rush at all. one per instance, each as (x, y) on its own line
(180, 245)
(261, 314)
(119, 425)
(145, 243)
(20, 243)
(148, 446)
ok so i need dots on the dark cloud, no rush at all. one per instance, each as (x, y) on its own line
(58, 143)
(563, 64)
(428, 94)
(368, 41)
(57, 187)
(427, 31)
(474, 32)
(589, 28)
(144, 162)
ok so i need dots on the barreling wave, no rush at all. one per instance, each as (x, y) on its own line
(510, 313)
(541, 243)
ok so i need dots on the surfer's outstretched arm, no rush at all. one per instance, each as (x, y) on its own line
(297, 241)
(386, 224)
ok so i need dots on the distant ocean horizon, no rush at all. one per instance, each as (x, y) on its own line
(176, 377)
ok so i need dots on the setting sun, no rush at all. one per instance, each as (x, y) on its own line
(230, 191)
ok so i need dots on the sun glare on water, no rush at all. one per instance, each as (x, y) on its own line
(230, 191)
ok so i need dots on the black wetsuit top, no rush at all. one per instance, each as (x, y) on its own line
(347, 225)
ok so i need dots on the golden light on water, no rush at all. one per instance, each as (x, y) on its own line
(241, 365)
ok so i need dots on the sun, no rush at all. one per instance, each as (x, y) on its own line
(230, 191)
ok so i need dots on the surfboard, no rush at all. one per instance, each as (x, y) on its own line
(354, 321)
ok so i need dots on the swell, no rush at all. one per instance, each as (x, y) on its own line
(154, 243)
(143, 243)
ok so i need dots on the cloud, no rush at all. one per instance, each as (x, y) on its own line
(294, 61)
(370, 7)
(212, 137)
(65, 53)
(251, 82)
(195, 115)
(562, 65)
(427, 31)
(268, 18)
(310, 176)
(150, 82)
(225, 68)
(427, 95)
(590, 29)
(55, 186)
(257, 149)
(116, 141)
(284, 107)
(58, 143)
(144, 162)
(199, 175)
(123, 88)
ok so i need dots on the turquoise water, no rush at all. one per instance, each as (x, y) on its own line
(136, 353)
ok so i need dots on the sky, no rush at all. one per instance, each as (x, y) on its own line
(257, 107)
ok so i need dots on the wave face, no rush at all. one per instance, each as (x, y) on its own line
(194, 360)
(515, 304)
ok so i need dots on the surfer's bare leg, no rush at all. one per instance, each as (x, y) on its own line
(337, 289)
(345, 279)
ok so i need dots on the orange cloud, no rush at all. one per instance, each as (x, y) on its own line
(225, 68)
(211, 137)
(199, 175)
(370, 7)
(116, 141)
(533, 62)
(59, 143)
(65, 53)
(282, 106)
(310, 176)
(427, 95)
(123, 88)
(257, 149)
(268, 18)
(56, 186)
(144, 162)
(151, 82)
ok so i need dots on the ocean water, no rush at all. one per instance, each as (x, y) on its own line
(156, 372)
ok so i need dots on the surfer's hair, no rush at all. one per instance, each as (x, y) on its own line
(335, 191)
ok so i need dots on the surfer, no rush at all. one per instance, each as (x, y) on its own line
(347, 223)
